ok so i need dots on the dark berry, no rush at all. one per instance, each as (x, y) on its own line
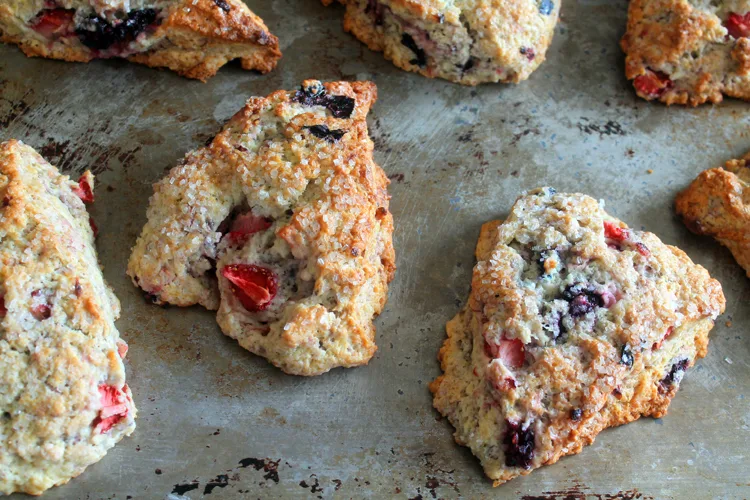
(519, 445)
(223, 5)
(98, 34)
(340, 106)
(626, 356)
(675, 374)
(582, 300)
(528, 52)
(576, 414)
(470, 62)
(408, 41)
(375, 9)
(323, 132)
(546, 7)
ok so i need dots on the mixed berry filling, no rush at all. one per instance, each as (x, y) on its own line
(737, 25)
(652, 84)
(114, 409)
(519, 445)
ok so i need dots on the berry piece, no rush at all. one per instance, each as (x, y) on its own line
(98, 34)
(738, 26)
(84, 190)
(53, 23)
(40, 307)
(246, 225)
(340, 106)
(652, 84)
(614, 232)
(3, 310)
(675, 375)
(528, 52)
(582, 300)
(626, 356)
(546, 7)
(223, 5)
(94, 228)
(122, 349)
(254, 286)
(323, 132)
(114, 408)
(519, 445)
(576, 414)
(408, 41)
(510, 351)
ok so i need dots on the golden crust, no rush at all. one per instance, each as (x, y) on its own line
(195, 39)
(58, 341)
(717, 203)
(463, 41)
(689, 44)
(329, 229)
(581, 369)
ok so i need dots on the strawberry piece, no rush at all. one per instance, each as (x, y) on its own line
(652, 84)
(122, 349)
(246, 225)
(642, 249)
(254, 286)
(94, 228)
(3, 310)
(738, 26)
(40, 311)
(614, 232)
(114, 408)
(668, 334)
(510, 351)
(84, 191)
(52, 23)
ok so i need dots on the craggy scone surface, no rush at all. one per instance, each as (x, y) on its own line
(192, 37)
(717, 203)
(688, 51)
(282, 224)
(63, 397)
(574, 323)
(464, 41)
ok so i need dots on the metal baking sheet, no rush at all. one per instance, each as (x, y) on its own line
(217, 422)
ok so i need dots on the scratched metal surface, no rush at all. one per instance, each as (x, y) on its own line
(219, 423)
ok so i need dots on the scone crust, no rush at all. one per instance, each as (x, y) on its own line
(59, 347)
(717, 203)
(663, 307)
(463, 41)
(330, 235)
(195, 37)
(688, 43)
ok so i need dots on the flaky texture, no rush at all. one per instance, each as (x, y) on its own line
(688, 51)
(194, 38)
(717, 203)
(296, 167)
(60, 352)
(464, 41)
(574, 323)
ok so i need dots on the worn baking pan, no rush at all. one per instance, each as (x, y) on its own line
(218, 422)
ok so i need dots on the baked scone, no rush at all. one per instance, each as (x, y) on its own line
(192, 37)
(688, 52)
(717, 203)
(63, 397)
(464, 41)
(282, 224)
(575, 323)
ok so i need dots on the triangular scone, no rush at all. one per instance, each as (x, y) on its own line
(575, 323)
(63, 397)
(717, 203)
(688, 52)
(287, 208)
(192, 37)
(464, 41)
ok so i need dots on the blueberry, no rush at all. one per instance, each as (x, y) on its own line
(323, 132)
(340, 106)
(626, 356)
(223, 5)
(675, 374)
(98, 34)
(519, 445)
(576, 414)
(408, 41)
(582, 300)
(546, 7)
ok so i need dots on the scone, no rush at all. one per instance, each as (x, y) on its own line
(282, 224)
(63, 397)
(575, 323)
(464, 41)
(688, 52)
(192, 37)
(717, 203)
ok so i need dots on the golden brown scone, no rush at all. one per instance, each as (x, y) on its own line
(464, 41)
(192, 37)
(717, 203)
(282, 224)
(688, 52)
(575, 323)
(63, 397)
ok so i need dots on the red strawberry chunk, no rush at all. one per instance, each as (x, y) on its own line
(122, 349)
(40, 310)
(738, 26)
(652, 84)
(114, 408)
(614, 232)
(54, 22)
(510, 351)
(84, 191)
(246, 225)
(642, 249)
(254, 286)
